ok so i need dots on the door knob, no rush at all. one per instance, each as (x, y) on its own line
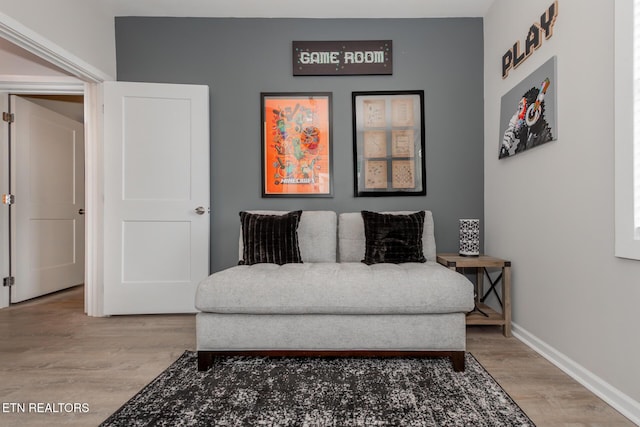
(81, 211)
(200, 210)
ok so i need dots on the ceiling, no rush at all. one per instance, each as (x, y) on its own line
(300, 8)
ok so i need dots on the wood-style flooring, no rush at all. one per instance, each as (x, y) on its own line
(51, 353)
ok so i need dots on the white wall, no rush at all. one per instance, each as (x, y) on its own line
(550, 210)
(83, 28)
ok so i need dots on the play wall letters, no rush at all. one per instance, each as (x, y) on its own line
(514, 57)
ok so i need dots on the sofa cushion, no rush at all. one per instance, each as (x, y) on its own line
(351, 238)
(336, 288)
(393, 238)
(270, 238)
(316, 235)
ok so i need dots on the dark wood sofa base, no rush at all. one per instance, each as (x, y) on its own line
(206, 358)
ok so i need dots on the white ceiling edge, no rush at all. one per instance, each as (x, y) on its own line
(300, 8)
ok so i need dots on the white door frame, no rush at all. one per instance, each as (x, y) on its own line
(4, 213)
(87, 82)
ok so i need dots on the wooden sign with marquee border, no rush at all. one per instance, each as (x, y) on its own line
(339, 58)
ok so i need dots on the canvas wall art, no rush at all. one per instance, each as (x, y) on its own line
(528, 112)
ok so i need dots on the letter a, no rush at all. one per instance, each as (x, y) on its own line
(533, 40)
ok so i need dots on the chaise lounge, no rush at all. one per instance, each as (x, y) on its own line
(331, 303)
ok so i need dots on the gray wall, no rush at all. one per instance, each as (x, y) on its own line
(239, 58)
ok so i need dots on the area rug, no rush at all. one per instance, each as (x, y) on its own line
(321, 392)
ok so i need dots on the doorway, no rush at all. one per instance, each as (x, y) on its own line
(37, 68)
(46, 175)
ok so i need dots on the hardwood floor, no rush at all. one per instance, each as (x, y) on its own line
(52, 353)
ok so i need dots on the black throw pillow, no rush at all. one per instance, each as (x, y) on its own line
(270, 238)
(393, 238)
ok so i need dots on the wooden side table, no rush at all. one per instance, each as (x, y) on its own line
(482, 314)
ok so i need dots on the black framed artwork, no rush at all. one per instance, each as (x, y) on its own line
(389, 143)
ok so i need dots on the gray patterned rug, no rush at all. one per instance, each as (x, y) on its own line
(314, 392)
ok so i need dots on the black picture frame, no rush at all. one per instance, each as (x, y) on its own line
(296, 144)
(389, 143)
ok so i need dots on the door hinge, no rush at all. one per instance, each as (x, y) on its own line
(9, 281)
(8, 199)
(8, 117)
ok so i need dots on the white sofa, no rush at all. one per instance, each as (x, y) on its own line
(332, 303)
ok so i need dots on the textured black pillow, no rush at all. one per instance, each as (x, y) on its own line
(270, 238)
(393, 238)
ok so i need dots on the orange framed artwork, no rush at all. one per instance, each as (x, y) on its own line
(296, 144)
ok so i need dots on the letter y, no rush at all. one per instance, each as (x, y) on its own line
(548, 19)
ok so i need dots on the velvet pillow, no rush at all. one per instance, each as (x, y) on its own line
(270, 238)
(393, 238)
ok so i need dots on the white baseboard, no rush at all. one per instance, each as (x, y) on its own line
(614, 397)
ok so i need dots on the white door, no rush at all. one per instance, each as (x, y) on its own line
(47, 179)
(156, 196)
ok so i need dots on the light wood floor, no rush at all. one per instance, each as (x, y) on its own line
(51, 352)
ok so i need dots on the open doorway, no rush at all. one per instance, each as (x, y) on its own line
(45, 87)
(46, 177)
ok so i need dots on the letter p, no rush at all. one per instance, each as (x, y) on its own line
(507, 63)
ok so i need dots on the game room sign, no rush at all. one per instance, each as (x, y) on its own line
(338, 58)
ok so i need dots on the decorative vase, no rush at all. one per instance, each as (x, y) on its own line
(469, 237)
